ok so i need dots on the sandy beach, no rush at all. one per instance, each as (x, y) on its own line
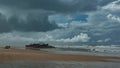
(21, 58)
(20, 54)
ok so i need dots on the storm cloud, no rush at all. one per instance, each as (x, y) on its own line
(29, 23)
(56, 5)
(77, 21)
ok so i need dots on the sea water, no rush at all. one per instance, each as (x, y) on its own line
(87, 50)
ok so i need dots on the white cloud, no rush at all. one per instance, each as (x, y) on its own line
(105, 18)
(79, 38)
(82, 37)
(14, 39)
(113, 6)
(21, 38)
(105, 22)
(113, 17)
(105, 40)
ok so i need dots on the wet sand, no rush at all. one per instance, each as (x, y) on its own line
(32, 55)
(58, 64)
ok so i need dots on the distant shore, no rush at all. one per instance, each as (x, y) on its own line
(21, 54)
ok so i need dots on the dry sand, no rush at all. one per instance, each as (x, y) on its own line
(32, 55)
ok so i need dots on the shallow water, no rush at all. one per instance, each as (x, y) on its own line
(57, 64)
(87, 50)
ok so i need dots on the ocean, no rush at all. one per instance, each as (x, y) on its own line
(112, 50)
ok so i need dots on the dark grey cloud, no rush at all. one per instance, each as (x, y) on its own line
(25, 16)
(40, 22)
(3, 24)
(56, 5)
(31, 23)
(104, 2)
(37, 20)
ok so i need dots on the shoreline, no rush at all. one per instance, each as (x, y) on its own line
(19, 55)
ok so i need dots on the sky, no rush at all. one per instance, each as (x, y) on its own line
(59, 22)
